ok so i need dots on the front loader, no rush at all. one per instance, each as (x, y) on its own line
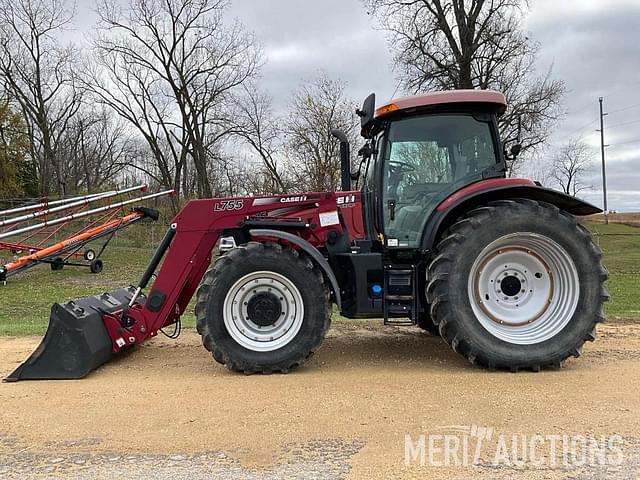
(436, 236)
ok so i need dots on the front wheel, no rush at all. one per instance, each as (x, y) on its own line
(262, 308)
(517, 284)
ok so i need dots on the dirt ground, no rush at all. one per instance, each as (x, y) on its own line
(166, 411)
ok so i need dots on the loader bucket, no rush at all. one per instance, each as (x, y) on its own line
(76, 341)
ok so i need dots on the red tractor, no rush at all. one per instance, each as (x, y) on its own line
(436, 237)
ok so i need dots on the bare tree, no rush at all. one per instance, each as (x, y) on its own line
(171, 68)
(571, 162)
(14, 150)
(37, 72)
(312, 153)
(538, 167)
(93, 148)
(464, 44)
(260, 129)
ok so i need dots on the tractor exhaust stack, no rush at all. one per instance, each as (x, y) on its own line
(345, 160)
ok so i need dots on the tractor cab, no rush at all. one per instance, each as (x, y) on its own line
(422, 149)
(420, 153)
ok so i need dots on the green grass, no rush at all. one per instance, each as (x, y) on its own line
(624, 288)
(26, 299)
(621, 247)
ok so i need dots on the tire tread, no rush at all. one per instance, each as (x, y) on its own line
(443, 313)
(214, 281)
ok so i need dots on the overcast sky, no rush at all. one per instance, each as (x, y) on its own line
(593, 45)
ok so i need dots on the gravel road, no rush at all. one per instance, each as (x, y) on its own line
(167, 411)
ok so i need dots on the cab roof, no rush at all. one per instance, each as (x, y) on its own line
(490, 97)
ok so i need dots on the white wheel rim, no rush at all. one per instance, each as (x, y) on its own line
(524, 288)
(248, 333)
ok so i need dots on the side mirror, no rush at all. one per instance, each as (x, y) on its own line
(515, 150)
(366, 114)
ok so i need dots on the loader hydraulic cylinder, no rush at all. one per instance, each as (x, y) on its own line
(155, 261)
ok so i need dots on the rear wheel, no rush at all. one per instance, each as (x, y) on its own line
(262, 308)
(517, 284)
(426, 323)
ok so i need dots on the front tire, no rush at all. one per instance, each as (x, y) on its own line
(262, 308)
(517, 284)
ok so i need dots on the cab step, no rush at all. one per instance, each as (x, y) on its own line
(399, 295)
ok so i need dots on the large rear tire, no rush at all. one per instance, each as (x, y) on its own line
(426, 323)
(517, 284)
(262, 308)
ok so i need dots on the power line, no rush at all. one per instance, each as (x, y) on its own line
(637, 140)
(625, 88)
(581, 129)
(625, 108)
(623, 123)
(581, 109)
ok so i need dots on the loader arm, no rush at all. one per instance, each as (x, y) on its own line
(197, 228)
(86, 333)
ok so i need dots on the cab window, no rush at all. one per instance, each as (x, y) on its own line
(427, 158)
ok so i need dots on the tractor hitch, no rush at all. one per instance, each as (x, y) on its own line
(77, 340)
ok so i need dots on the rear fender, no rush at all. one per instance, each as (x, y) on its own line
(309, 249)
(457, 205)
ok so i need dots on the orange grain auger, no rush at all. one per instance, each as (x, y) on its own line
(60, 254)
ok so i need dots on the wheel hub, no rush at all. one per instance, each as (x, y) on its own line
(263, 311)
(511, 285)
(264, 308)
(523, 288)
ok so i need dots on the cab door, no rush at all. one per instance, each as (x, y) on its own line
(425, 159)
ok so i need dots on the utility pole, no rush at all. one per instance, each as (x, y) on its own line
(604, 170)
